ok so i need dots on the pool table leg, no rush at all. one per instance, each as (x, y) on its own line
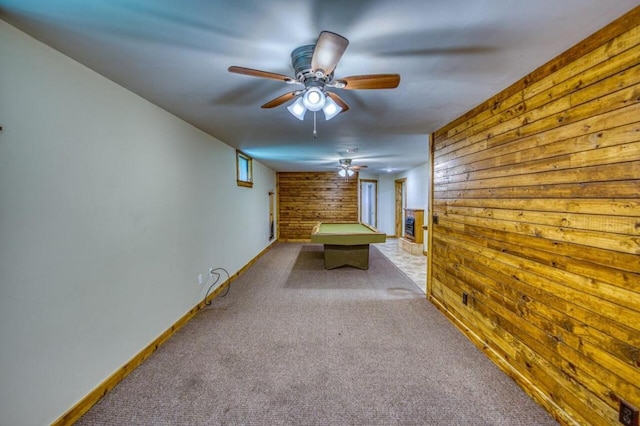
(336, 256)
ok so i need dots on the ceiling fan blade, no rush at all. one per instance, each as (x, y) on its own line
(329, 49)
(337, 99)
(258, 73)
(359, 167)
(280, 100)
(372, 81)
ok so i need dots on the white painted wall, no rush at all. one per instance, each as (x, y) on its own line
(110, 207)
(417, 186)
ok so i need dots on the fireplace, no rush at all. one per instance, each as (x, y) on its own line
(413, 221)
(409, 228)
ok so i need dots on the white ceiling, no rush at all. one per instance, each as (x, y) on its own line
(451, 55)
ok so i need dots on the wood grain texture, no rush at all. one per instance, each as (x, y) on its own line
(537, 191)
(306, 198)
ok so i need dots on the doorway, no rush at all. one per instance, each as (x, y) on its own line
(369, 202)
(272, 223)
(401, 203)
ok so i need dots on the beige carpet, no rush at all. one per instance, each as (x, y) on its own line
(295, 344)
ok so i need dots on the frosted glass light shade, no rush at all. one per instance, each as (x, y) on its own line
(331, 109)
(297, 109)
(314, 99)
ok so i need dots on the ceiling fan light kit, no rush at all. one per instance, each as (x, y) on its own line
(346, 169)
(346, 172)
(313, 65)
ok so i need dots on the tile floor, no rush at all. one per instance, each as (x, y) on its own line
(414, 266)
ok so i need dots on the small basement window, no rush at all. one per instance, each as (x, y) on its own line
(244, 170)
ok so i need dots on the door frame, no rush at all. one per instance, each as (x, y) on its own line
(400, 204)
(375, 199)
(429, 219)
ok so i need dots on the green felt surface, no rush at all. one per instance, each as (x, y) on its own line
(344, 228)
(346, 234)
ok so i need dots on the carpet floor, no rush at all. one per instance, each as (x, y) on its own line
(294, 344)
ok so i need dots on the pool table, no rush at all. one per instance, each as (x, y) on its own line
(346, 243)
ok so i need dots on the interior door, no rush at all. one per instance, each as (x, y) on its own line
(369, 202)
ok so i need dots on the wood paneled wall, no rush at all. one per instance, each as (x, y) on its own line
(537, 193)
(305, 199)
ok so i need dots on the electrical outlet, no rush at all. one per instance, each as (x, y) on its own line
(628, 414)
(465, 298)
(200, 280)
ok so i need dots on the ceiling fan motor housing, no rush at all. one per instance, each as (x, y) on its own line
(301, 61)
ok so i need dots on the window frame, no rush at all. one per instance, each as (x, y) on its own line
(249, 169)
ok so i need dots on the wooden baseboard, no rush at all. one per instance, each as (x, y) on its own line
(82, 406)
(531, 389)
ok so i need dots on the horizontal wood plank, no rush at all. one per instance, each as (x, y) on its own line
(306, 198)
(537, 195)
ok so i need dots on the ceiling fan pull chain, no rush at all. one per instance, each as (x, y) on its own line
(315, 132)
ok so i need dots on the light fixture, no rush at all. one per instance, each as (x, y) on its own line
(314, 99)
(345, 171)
(331, 108)
(297, 109)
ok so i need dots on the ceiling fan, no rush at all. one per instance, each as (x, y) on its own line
(314, 66)
(346, 169)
